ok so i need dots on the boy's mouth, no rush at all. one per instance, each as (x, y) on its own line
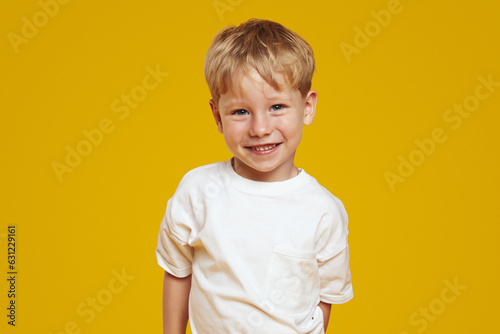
(261, 148)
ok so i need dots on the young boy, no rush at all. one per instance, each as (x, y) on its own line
(254, 244)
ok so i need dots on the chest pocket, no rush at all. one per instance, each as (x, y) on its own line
(293, 283)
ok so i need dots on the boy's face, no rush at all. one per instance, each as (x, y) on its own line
(262, 127)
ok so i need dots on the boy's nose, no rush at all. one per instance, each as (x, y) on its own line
(261, 125)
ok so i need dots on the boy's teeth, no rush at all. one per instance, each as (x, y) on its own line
(264, 148)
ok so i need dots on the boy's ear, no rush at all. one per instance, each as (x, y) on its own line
(310, 106)
(216, 114)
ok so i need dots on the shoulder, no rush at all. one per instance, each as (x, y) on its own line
(190, 193)
(332, 229)
(202, 175)
(201, 182)
(324, 199)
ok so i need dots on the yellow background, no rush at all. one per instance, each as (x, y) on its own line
(440, 224)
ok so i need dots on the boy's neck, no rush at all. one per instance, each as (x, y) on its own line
(284, 173)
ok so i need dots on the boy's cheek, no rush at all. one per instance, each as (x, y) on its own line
(232, 128)
(229, 136)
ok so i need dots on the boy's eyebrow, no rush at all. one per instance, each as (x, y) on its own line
(243, 105)
(274, 98)
(229, 104)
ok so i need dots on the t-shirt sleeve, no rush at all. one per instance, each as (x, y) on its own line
(173, 253)
(333, 256)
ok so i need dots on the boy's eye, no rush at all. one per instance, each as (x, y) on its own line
(277, 107)
(240, 112)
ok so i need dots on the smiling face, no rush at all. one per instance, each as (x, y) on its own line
(262, 126)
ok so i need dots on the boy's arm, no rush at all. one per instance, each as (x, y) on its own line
(175, 304)
(326, 313)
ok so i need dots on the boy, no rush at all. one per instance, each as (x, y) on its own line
(254, 244)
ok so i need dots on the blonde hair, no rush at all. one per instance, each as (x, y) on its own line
(266, 46)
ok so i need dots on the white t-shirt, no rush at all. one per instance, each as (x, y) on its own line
(262, 254)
